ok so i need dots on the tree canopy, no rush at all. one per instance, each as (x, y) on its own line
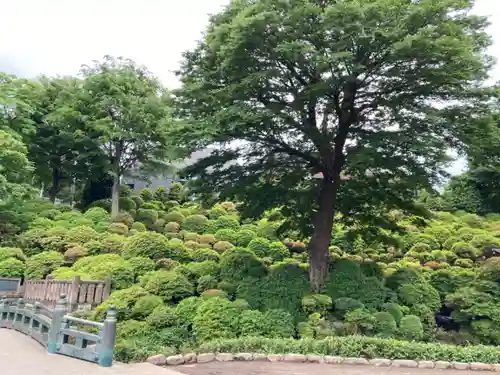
(371, 90)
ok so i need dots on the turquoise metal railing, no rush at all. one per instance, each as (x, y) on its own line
(55, 329)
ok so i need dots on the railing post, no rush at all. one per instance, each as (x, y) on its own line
(107, 346)
(74, 292)
(55, 325)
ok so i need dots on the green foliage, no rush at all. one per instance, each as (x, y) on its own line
(40, 265)
(206, 282)
(238, 263)
(222, 246)
(169, 285)
(244, 237)
(11, 252)
(226, 222)
(215, 318)
(141, 265)
(464, 250)
(174, 216)
(12, 267)
(385, 324)
(101, 266)
(163, 317)
(118, 228)
(123, 300)
(186, 309)
(148, 244)
(260, 246)
(201, 255)
(145, 305)
(317, 303)
(195, 223)
(410, 328)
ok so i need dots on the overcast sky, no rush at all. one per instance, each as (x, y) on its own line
(54, 37)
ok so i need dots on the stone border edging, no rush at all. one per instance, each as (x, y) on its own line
(191, 358)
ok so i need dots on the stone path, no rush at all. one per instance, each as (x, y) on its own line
(281, 368)
(21, 355)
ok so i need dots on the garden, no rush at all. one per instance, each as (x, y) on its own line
(185, 277)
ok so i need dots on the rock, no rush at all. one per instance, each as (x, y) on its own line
(205, 357)
(426, 364)
(295, 358)
(259, 357)
(174, 360)
(476, 366)
(274, 357)
(189, 358)
(157, 360)
(460, 365)
(315, 358)
(443, 365)
(404, 363)
(243, 357)
(224, 357)
(331, 360)
(355, 361)
(380, 362)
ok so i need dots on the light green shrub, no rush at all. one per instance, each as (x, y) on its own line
(163, 316)
(145, 305)
(317, 303)
(260, 246)
(410, 328)
(169, 285)
(215, 318)
(385, 324)
(239, 263)
(147, 244)
(40, 265)
(12, 267)
(118, 228)
(222, 246)
(200, 255)
(175, 216)
(195, 223)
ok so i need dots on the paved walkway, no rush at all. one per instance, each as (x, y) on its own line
(21, 355)
(281, 368)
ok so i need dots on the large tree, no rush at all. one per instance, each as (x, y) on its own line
(129, 111)
(362, 93)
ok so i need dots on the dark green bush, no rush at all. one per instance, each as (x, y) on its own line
(145, 305)
(411, 327)
(251, 323)
(226, 222)
(40, 265)
(200, 255)
(163, 317)
(174, 216)
(278, 251)
(195, 223)
(186, 309)
(317, 303)
(385, 324)
(127, 204)
(344, 305)
(239, 263)
(244, 236)
(141, 265)
(206, 282)
(395, 310)
(215, 318)
(260, 246)
(146, 244)
(169, 285)
(228, 235)
(195, 270)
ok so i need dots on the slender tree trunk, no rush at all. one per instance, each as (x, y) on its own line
(319, 255)
(115, 196)
(115, 190)
(56, 184)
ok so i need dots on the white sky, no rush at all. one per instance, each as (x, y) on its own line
(54, 37)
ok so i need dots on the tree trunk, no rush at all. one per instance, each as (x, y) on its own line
(115, 196)
(319, 255)
(56, 185)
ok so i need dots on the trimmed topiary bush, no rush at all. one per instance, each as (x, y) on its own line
(195, 223)
(172, 227)
(175, 216)
(395, 310)
(118, 228)
(97, 215)
(410, 328)
(200, 255)
(239, 263)
(226, 222)
(123, 300)
(464, 250)
(169, 285)
(317, 303)
(125, 218)
(139, 227)
(186, 309)
(208, 239)
(385, 324)
(145, 305)
(222, 246)
(147, 244)
(12, 267)
(260, 246)
(278, 251)
(228, 235)
(243, 237)
(215, 318)
(205, 283)
(163, 316)
(141, 265)
(40, 265)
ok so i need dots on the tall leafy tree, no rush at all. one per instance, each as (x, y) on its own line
(129, 111)
(371, 90)
(62, 149)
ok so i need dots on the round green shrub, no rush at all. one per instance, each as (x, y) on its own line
(147, 216)
(421, 248)
(97, 215)
(238, 263)
(260, 246)
(226, 222)
(211, 293)
(146, 195)
(176, 250)
(172, 227)
(191, 245)
(208, 239)
(410, 328)
(118, 228)
(360, 321)
(228, 235)
(268, 229)
(140, 227)
(138, 201)
(145, 305)
(251, 323)
(167, 264)
(395, 310)
(222, 246)
(141, 265)
(344, 305)
(123, 300)
(205, 283)
(81, 234)
(146, 244)
(278, 324)
(385, 324)
(12, 267)
(317, 303)
(200, 255)
(484, 240)
(11, 252)
(175, 216)
(464, 250)
(163, 316)
(278, 251)
(186, 309)
(75, 252)
(464, 263)
(127, 204)
(216, 318)
(448, 244)
(195, 223)
(169, 285)
(419, 294)
(40, 265)
(216, 212)
(125, 218)
(243, 237)
(107, 265)
(194, 270)
(190, 236)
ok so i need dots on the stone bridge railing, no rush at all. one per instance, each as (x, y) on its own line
(61, 333)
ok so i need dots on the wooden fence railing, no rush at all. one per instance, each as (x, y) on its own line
(57, 331)
(79, 292)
